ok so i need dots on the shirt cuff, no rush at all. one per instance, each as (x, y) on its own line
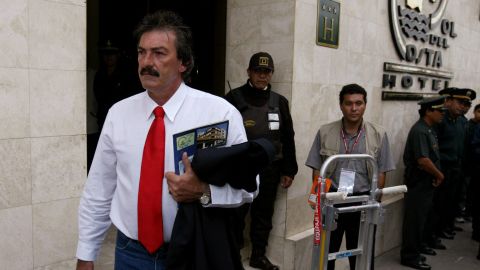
(86, 252)
(228, 197)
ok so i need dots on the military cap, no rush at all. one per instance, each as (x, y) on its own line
(436, 102)
(108, 47)
(460, 93)
(261, 60)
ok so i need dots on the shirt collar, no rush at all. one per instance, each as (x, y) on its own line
(171, 107)
(362, 126)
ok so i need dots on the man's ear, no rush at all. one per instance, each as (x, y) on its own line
(182, 68)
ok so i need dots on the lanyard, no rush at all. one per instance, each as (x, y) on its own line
(354, 143)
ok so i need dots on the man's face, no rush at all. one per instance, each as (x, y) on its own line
(436, 115)
(353, 107)
(110, 59)
(260, 78)
(456, 106)
(476, 115)
(468, 105)
(158, 65)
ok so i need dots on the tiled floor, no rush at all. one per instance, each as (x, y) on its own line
(460, 254)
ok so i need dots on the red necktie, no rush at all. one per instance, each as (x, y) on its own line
(150, 225)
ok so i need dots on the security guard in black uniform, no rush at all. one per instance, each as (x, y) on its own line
(265, 115)
(451, 140)
(422, 176)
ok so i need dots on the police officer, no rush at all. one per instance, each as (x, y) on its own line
(451, 140)
(265, 115)
(473, 158)
(422, 176)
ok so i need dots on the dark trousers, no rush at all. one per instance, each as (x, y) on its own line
(261, 210)
(444, 197)
(348, 224)
(418, 217)
(461, 195)
(475, 189)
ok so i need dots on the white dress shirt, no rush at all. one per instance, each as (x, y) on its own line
(111, 190)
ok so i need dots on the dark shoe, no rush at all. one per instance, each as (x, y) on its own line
(450, 231)
(445, 235)
(476, 237)
(459, 219)
(428, 251)
(423, 258)
(262, 262)
(417, 265)
(457, 229)
(438, 245)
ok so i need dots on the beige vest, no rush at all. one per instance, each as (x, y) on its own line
(331, 141)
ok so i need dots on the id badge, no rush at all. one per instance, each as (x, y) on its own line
(274, 125)
(347, 181)
(273, 117)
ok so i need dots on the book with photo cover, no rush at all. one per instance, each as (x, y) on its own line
(212, 135)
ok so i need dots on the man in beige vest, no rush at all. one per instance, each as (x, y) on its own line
(350, 135)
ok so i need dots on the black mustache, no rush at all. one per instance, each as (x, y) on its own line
(149, 71)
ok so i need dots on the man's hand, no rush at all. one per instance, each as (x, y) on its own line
(84, 265)
(286, 181)
(438, 180)
(186, 187)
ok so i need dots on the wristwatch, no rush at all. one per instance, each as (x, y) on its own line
(206, 198)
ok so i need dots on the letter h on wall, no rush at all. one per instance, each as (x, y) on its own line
(328, 23)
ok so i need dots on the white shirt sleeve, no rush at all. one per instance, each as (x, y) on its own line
(94, 209)
(228, 197)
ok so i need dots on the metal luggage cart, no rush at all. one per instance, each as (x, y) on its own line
(329, 206)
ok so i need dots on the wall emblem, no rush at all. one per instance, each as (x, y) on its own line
(328, 23)
(420, 34)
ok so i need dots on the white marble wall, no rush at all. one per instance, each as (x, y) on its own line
(312, 76)
(263, 25)
(42, 131)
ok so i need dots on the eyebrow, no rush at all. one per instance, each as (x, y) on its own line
(153, 48)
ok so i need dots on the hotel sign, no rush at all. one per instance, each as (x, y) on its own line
(421, 34)
(328, 23)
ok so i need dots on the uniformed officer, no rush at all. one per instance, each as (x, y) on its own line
(265, 114)
(422, 175)
(451, 140)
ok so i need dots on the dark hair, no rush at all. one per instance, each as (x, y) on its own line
(351, 89)
(170, 21)
(477, 107)
(423, 110)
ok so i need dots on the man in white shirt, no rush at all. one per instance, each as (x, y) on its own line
(112, 189)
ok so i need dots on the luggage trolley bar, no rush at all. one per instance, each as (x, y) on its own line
(330, 207)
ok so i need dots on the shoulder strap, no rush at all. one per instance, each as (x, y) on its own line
(274, 101)
(239, 100)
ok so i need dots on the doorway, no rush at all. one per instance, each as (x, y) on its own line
(111, 23)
